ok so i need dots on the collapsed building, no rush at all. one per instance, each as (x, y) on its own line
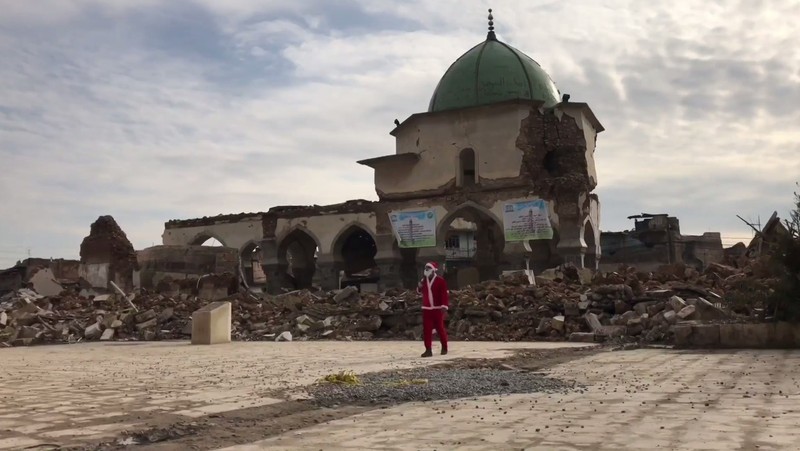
(500, 153)
(656, 240)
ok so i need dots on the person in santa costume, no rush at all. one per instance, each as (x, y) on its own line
(435, 302)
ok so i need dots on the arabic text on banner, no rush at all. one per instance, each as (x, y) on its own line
(414, 228)
(527, 220)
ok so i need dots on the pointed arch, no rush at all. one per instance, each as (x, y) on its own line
(349, 228)
(354, 248)
(297, 228)
(297, 250)
(250, 261)
(472, 255)
(204, 236)
(445, 222)
(589, 237)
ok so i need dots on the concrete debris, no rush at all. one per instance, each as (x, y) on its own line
(687, 312)
(346, 293)
(622, 305)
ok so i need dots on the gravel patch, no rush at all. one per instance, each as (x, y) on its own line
(432, 384)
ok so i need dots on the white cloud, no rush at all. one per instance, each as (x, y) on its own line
(109, 117)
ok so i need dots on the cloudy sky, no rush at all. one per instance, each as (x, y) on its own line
(151, 110)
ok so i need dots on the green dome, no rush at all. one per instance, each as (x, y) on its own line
(491, 72)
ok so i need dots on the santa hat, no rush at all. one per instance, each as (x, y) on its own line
(432, 265)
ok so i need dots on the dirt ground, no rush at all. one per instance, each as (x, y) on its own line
(253, 424)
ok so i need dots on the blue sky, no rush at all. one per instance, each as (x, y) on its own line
(151, 110)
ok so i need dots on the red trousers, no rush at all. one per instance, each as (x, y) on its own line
(433, 319)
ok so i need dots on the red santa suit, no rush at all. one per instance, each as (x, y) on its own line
(435, 302)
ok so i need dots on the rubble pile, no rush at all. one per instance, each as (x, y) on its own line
(565, 304)
(27, 318)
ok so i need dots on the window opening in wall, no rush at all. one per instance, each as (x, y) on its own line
(550, 162)
(467, 167)
(452, 242)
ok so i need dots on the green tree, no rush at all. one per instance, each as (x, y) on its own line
(785, 300)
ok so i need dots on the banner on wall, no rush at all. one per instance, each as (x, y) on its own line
(414, 228)
(527, 220)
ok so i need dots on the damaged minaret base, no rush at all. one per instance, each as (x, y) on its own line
(107, 255)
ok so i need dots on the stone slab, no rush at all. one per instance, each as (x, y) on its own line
(212, 324)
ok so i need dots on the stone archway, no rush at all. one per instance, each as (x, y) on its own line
(251, 259)
(297, 259)
(473, 241)
(409, 267)
(544, 253)
(354, 251)
(207, 239)
(590, 238)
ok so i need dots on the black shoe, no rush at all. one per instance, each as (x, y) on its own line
(427, 353)
(444, 351)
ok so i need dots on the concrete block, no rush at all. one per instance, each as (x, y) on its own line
(581, 337)
(544, 326)
(707, 311)
(3, 319)
(28, 332)
(558, 323)
(687, 312)
(210, 292)
(571, 308)
(593, 321)
(683, 335)
(612, 331)
(212, 324)
(145, 316)
(92, 331)
(108, 334)
(109, 320)
(284, 336)
(22, 342)
(346, 293)
(746, 335)
(677, 303)
(641, 307)
(166, 315)
(150, 323)
(670, 316)
(705, 335)
(585, 275)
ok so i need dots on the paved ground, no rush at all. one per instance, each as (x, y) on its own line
(643, 399)
(72, 394)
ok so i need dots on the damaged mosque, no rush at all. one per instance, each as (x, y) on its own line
(497, 175)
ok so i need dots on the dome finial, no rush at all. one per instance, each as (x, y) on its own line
(491, 36)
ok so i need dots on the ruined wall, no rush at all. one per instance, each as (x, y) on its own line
(231, 230)
(648, 252)
(522, 152)
(700, 250)
(62, 268)
(326, 228)
(11, 279)
(439, 138)
(107, 255)
(510, 140)
(184, 262)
